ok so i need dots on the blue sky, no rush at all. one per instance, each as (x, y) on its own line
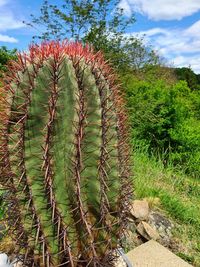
(171, 27)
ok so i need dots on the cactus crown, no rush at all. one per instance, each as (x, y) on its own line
(66, 156)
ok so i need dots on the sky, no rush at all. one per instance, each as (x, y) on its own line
(171, 27)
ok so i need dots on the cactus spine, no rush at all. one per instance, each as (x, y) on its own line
(66, 155)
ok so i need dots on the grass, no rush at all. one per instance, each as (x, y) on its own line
(179, 199)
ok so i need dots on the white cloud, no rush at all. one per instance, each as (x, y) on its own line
(194, 30)
(126, 7)
(179, 46)
(161, 9)
(192, 61)
(7, 39)
(3, 2)
(8, 21)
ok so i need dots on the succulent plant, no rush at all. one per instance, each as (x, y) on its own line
(65, 156)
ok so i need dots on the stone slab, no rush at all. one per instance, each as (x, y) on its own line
(140, 209)
(152, 254)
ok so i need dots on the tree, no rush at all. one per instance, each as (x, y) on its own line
(83, 20)
(101, 23)
(165, 119)
(189, 76)
(5, 56)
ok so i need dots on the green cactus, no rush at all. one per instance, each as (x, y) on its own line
(66, 156)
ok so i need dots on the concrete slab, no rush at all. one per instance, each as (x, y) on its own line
(152, 254)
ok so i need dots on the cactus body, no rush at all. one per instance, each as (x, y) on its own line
(66, 155)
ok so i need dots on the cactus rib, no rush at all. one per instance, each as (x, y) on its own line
(66, 156)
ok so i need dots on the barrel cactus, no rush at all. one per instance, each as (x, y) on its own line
(65, 156)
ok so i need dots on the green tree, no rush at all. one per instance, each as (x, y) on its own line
(81, 20)
(101, 23)
(165, 118)
(5, 56)
(189, 76)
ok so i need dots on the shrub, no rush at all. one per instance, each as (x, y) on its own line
(166, 118)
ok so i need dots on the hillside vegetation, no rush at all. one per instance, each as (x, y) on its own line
(176, 195)
(165, 129)
(165, 118)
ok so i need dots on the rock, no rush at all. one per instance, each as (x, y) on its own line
(159, 220)
(131, 240)
(140, 210)
(152, 254)
(162, 225)
(121, 259)
(146, 231)
(119, 262)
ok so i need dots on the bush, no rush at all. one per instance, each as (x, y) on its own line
(166, 118)
(5, 56)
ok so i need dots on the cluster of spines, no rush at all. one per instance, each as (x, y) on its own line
(104, 77)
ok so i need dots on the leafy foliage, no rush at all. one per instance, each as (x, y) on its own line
(188, 75)
(166, 118)
(100, 23)
(81, 20)
(5, 56)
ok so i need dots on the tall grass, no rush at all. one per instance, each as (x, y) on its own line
(178, 195)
